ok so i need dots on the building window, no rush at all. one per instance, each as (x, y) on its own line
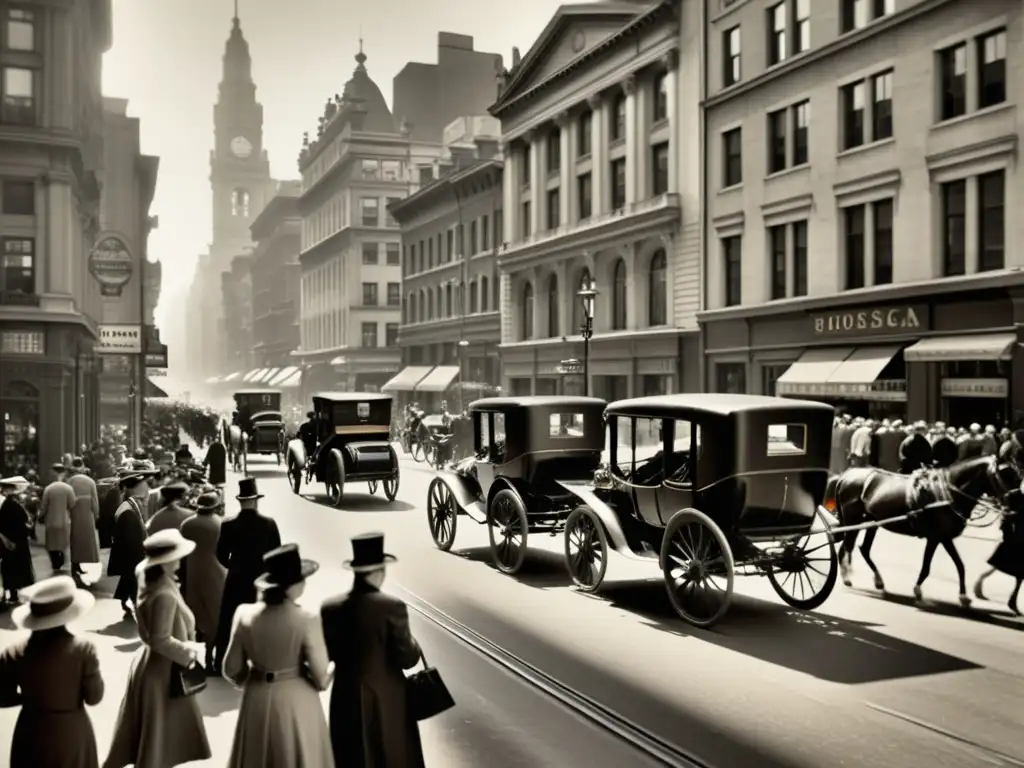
(371, 169)
(411, 317)
(526, 224)
(881, 106)
(800, 258)
(657, 289)
(393, 252)
(473, 304)
(18, 275)
(555, 151)
(369, 294)
(856, 14)
(732, 152)
(731, 378)
(731, 252)
(553, 304)
(394, 294)
(777, 259)
(21, 30)
(992, 66)
(19, 197)
(584, 134)
(19, 102)
(449, 305)
(853, 115)
(499, 229)
(449, 247)
(391, 335)
(430, 253)
(661, 97)
(853, 224)
(801, 133)
(992, 221)
(770, 374)
(801, 25)
(777, 33)
(369, 335)
(22, 343)
(389, 220)
(370, 253)
(391, 170)
(585, 190)
(239, 202)
(619, 296)
(526, 158)
(777, 140)
(554, 212)
(473, 237)
(953, 80)
(882, 215)
(618, 184)
(370, 211)
(527, 318)
(619, 117)
(483, 294)
(954, 212)
(485, 233)
(659, 166)
(732, 49)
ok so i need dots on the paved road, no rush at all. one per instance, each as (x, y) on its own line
(864, 681)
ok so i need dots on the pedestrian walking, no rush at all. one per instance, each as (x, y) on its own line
(52, 675)
(216, 462)
(173, 512)
(16, 568)
(55, 513)
(244, 540)
(85, 545)
(204, 588)
(126, 551)
(156, 729)
(1008, 556)
(276, 654)
(368, 638)
(915, 451)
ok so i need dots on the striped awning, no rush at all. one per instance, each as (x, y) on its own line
(281, 375)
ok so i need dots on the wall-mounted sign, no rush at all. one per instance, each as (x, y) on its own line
(119, 340)
(866, 322)
(993, 388)
(156, 373)
(890, 390)
(110, 262)
(156, 356)
(570, 367)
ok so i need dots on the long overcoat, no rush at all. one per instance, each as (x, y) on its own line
(204, 587)
(244, 539)
(129, 532)
(216, 460)
(369, 640)
(85, 545)
(55, 513)
(15, 564)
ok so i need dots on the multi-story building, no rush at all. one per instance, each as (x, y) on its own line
(862, 158)
(601, 126)
(51, 144)
(451, 230)
(236, 289)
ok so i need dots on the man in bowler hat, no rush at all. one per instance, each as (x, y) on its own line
(369, 640)
(244, 540)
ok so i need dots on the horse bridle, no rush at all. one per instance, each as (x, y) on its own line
(994, 476)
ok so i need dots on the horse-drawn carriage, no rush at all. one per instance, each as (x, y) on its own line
(257, 427)
(353, 445)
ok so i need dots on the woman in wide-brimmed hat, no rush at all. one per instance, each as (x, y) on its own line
(57, 673)
(155, 729)
(205, 584)
(16, 568)
(276, 654)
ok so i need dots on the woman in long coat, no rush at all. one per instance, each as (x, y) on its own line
(16, 568)
(205, 585)
(85, 545)
(126, 551)
(155, 729)
(276, 654)
(1008, 556)
(57, 674)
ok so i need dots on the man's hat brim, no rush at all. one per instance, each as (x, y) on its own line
(267, 581)
(367, 567)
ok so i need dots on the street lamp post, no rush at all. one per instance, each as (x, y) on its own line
(588, 295)
(463, 344)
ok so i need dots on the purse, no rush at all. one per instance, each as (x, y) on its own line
(187, 681)
(425, 692)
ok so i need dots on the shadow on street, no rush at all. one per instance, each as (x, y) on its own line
(1003, 619)
(541, 569)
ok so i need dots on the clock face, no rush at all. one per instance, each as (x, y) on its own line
(241, 146)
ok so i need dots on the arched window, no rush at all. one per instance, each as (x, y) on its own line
(472, 297)
(553, 306)
(527, 310)
(439, 303)
(657, 289)
(240, 202)
(577, 304)
(423, 306)
(405, 310)
(413, 317)
(460, 298)
(619, 296)
(19, 450)
(496, 296)
(449, 305)
(430, 304)
(484, 296)
(619, 118)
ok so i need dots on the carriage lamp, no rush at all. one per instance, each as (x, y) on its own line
(588, 295)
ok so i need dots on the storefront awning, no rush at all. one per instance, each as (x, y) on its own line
(251, 375)
(267, 375)
(231, 377)
(439, 379)
(407, 379)
(281, 374)
(213, 380)
(809, 374)
(991, 346)
(857, 373)
(152, 390)
(291, 381)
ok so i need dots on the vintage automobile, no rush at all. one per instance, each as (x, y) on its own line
(257, 428)
(353, 445)
(525, 448)
(710, 486)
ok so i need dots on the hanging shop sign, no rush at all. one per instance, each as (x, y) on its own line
(571, 367)
(872, 321)
(156, 356)
(110, 262)
(994, 388)
(119, 339)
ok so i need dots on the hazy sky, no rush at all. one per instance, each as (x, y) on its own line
(166, 60)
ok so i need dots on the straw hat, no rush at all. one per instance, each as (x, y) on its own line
(15, 481)
(284, 567)
(52, 603)
(368, 553)
(165, 547)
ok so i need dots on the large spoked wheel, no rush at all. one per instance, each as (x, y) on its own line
(372, 487)
(417, 451)
(806, 573)
(586, 549)
(294, 474)
(336, 485)
(391, 484)
(507, 530)
(699, 571)
(442, 514)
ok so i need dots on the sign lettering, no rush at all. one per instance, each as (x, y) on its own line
(993, 388)
(110, 262)
(894, 319)
(119, 340)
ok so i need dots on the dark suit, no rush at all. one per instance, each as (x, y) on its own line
(244, 539)
(915, 452)
(217, 461)
(945, 451)
(369, 640)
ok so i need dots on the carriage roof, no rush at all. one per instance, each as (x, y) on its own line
(269, 412)
(721, 405)
(351, 397)
(256, 392)
(535, 401)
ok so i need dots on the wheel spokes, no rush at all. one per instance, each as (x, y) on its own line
(697, 566)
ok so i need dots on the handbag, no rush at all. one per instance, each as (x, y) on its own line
(425, 692)
(187, 681)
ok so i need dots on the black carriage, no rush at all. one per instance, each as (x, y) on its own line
(258, 417)
(525, 448)
(353, 445)
(710, 486)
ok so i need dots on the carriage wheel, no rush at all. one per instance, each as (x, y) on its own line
(697, 563)
(417, 451)
(586, 549)
(294, 474)
(336, 487)
(372, 486)
(442, 514)
(391, 484)
(507, 530)
(805, 575)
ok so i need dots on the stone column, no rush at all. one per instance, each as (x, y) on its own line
(643, 102)
(506, 308)
(538, 176)
(869, 244)
(510, 196)
(633, 157)
(671, 62)
(598, 155)
(540, 303)
(565, 307)
(60, 237)
(971, 255)
(633, 294)
(565, 172)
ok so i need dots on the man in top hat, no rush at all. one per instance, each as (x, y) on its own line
(369, 640)
(915, 450)
(55, 512)
(244, 540)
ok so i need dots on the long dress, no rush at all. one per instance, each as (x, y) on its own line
(127, 552)
(205, 586)
(15, 564)
(1008, 556)
(85, 546)
(57, 673)
(280, 722)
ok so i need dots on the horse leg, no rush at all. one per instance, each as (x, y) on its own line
(865, 551)
(846, 556)
(978, 593)
(950, 546)
(1013, 598)
(930, 545)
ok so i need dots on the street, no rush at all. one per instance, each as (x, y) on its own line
(862, 681)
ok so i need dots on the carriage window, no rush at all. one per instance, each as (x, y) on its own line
(566, 425)
(484, 446)
(787, 439)
(498, 455)
(639, 457)
(681, 464)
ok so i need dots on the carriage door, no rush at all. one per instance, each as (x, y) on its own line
(484, 448)
(640, 463)
(681, 457)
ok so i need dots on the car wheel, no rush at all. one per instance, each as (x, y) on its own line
(586, 549)
(442, 514)
(507, 530)
(697, 563)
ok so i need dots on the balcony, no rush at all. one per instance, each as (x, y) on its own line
(638, 219)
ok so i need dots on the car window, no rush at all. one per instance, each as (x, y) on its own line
(681, 464)
(788, 439)
(484, 425)
(639, 457)
(565, 425)
(498, 456)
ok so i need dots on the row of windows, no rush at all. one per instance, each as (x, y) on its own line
(450, 245)
(392, 254)
(432, 304)
(333, 216)
(325, 332)
(371, 296)
(369, 339)
(18, 268)
(18, 84)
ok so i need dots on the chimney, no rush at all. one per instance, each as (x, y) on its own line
(487, 148)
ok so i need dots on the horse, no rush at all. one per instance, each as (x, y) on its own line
(940, 503)
(236, 443)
